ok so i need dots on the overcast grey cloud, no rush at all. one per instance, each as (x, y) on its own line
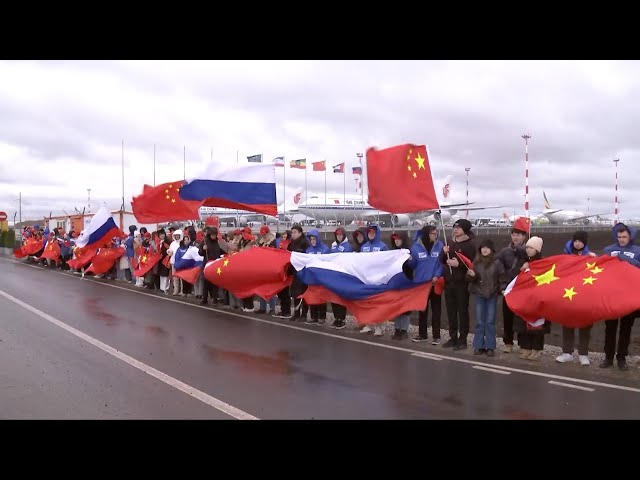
(62, 124)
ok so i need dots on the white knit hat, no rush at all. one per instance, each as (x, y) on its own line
(535, 242)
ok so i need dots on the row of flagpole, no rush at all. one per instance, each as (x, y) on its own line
(340, 168)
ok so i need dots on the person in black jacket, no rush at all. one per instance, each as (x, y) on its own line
(211, 250)
(299, 243)
(512, 258)
(456, 290)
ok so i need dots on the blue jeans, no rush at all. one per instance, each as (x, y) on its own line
(485, 332)
(271, 302)
(402, 322)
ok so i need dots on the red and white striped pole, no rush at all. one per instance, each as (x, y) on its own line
(615, 211)
(526, 137)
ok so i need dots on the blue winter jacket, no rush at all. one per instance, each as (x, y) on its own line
(377, 245)
(630, 253)
(320, 247)
(568, 249)
(425, 265)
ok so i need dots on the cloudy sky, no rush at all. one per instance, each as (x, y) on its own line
(62, 124)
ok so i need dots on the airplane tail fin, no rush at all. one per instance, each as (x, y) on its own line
(446, 188)
(547, 205)
(293, 200)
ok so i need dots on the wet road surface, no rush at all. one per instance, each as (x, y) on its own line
(263, 369)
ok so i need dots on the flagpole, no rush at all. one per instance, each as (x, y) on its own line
(212, 155)
(237, 158)
(344, 196)
(123, 174)
(284, 194)
(154, 164)
(306, 193)
(184, 162)
(325, 181)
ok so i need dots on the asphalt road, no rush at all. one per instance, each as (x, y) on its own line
(79, 348)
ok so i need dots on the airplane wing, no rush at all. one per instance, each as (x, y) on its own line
(589, 216)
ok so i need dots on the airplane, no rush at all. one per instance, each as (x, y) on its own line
(352, 207)
(243, 217)
(558, 216)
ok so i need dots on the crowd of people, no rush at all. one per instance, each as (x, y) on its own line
(463, 268)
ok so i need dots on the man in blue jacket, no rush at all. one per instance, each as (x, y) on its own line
(426, 266)
(625, 250)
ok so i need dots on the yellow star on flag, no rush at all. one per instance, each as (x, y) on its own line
(569, 293)
(168, 197)
(547, 277)
(591, 265)
(173, 200)
(219, 271)
(415, 175)
(144, 259)
(420, 162)
(226, 262)
(409, 167)
(589, 280)
(166, 191)
(596, 270)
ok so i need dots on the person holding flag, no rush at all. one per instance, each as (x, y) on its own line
(456, 290)
(531, 339)
(623, 248)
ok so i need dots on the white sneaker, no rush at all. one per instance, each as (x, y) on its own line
(378, 332)
(565, 357)
(584, 360)
(248, 310)
(366, 329)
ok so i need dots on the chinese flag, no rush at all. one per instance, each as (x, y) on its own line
(31, 247)
(319, 166)
(83, 257)
(466, 260)
(163, 204)
(51, 251)
(146, 263)
(400, 179)
(104, 260)
(258, 271)
(574, 291)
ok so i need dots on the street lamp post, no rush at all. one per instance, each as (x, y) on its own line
(88, 200)
(467, 170)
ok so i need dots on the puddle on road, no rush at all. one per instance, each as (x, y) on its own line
(95, 310)
(278, 364)
(155, 330)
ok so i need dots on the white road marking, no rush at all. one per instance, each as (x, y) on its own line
(569, 385)
(163, 377)
(313, 331)
(494, 370)
(427, 355)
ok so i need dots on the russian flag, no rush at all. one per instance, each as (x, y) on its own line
(249, 187)
(188, 264)
(372, 285)
(99, 232)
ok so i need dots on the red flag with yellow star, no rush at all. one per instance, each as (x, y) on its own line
(104, 260)
(163, 204)
(574, 291)
(51, 251)
(258, 271)
(400, 179)
(146, 263)
(83, 256)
